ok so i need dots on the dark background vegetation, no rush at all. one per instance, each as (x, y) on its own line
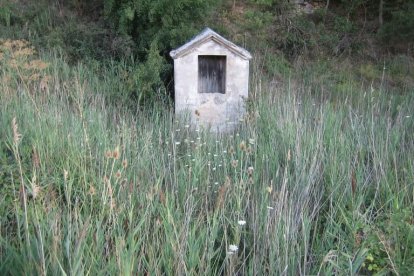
(286, 36)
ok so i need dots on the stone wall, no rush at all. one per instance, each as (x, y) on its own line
(215, 110)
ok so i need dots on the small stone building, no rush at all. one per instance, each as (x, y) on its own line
(211, 76)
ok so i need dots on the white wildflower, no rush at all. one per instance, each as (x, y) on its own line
(241, 222)
(233, 248)
(250, 170)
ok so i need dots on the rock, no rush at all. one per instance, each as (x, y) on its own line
(308, 8)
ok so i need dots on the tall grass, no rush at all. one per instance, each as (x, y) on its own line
(88, 187)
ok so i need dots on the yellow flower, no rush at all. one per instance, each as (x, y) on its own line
(370, 257)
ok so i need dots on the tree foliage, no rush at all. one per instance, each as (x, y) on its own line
(167, 22)
(156, 27)
(399, 26)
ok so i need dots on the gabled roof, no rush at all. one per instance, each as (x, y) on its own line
(206, 35)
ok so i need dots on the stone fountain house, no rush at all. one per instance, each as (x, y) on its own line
(211, 76)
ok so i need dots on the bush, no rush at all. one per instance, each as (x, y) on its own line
(156, 26)
(148, 77)
(400, 28)
(5, 13)
(164, 22)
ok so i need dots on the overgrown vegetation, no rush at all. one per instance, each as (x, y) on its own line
(139, 34)
(317, 179)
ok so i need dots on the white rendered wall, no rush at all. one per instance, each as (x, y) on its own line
(216, 110)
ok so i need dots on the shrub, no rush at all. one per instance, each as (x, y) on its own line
(400, 27)
(5, 13)
(156, 26)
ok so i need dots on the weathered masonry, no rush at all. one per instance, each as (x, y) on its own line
(211, 76)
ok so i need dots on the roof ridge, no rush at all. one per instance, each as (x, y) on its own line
(203, 36)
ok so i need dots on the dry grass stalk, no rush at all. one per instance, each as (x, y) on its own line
(353, 183)
(35, 158)
(16, 135)
(222, 194)
(162, 197)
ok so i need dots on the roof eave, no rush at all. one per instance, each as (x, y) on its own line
(205, 36)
